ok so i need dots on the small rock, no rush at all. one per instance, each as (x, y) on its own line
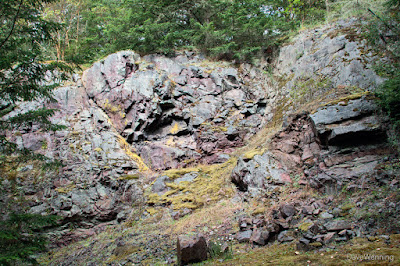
(287, 210)
(303, 245)
(316, 212)
(159, 185)
(243, 226)
(282, 223)
(272, 227)
(285, 236)
(189, 177)
(259, 237)
(337, 225)
(329, 237)
(304, 241)
(385, 237)
(309, 235)
(244, 236)
(325, 215)
(307, 210)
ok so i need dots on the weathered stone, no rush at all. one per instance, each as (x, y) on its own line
(259, 237)
(189, 177)
(191, 249)
(257, 172)
(243, 226)
(338, 225)
(303, 245)
(307, 210)
(350, 123)
(337, 113)
(159, 185)
(287, 210)
(326, 215)
(285, 236)
(329, 237)
(244, 236)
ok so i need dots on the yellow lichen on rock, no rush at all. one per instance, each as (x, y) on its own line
(170, 142)
(66, 189)
(176, 173)
(175, 128)
(250, 154)
(125, 145)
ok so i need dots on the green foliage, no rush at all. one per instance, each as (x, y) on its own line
(219, 28)
(215, 251)
(23, 73)
(343, 9)
(306, 12)
(384, 34)
(20, 237)
(23, 77)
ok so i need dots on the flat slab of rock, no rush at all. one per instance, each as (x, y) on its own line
(338, 225)
(337, 113)
(191, 249)
(350, 122)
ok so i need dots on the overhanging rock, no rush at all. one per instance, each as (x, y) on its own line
(349, 123)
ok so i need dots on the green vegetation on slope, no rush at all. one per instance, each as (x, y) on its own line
(19, 237)
(222, 29)
(384, 34)
(22, 79)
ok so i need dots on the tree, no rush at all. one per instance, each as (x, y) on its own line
(230, 29)
(23, 74)
(384, 34)
(68, 14)
(22, 70)
(20, 237)
(233, 29)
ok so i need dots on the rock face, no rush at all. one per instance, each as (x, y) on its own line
(181, 109)
(191, 249)
(343, 138)
(325, 151)
(130, 117)
(328, 57)
(90, 188)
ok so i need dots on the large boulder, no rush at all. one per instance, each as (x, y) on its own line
(351, 122)
(191, 249)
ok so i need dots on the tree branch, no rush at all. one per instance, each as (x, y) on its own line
(13, 25)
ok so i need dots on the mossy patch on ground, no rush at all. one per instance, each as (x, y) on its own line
(211, 185)
(358, 251)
